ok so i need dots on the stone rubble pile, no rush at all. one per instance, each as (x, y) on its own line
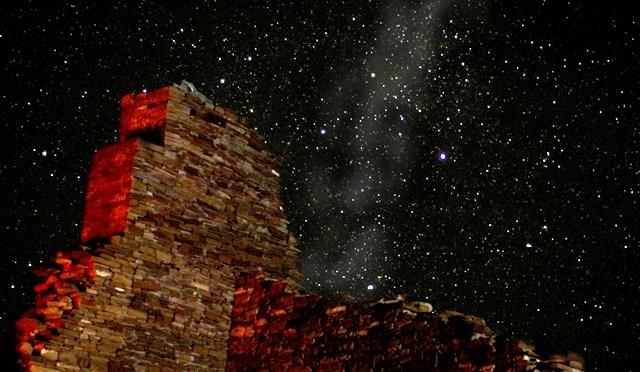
(57, 294)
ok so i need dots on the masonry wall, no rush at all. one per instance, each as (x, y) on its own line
(274, 329)
(185, 201)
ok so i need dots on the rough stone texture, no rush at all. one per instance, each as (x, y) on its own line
(57, 294)
(202, 207)
(108, 192)
(277, 330)
(144, 115)
(176, 214)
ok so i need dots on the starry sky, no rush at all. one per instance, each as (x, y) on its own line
(480, 155)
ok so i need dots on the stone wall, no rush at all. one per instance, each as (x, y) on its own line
(185, 201)
(274, 329)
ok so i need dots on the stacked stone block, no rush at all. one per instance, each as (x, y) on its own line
(58, 293)
(278, 330)
(185, 201)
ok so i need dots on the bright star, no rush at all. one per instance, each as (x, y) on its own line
(442, 156)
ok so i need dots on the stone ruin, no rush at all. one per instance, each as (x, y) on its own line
(186, 263)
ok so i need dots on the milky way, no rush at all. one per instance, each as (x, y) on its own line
(483, 156)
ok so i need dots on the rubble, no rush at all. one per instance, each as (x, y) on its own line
(57, 294)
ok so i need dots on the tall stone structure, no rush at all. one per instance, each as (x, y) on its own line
(186, 264)
(186, 200)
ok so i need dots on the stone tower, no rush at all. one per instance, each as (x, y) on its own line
(187, 199)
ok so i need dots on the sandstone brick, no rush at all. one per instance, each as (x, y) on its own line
(68, 357)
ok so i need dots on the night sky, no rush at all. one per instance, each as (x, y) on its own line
(480, 155)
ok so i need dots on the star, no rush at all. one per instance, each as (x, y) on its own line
(443, 157)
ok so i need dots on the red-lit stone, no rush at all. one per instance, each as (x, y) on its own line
(108, 189)
(64, 260)
(82, 257)
(38, 346)
(54, 323)
(276, 288)
(41, 287)
(25, 328)
(143, 115)
(43, 271)
(298, 330)
(76, 300)
(58, 294)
